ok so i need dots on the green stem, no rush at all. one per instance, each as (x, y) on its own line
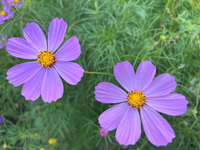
(98, 73)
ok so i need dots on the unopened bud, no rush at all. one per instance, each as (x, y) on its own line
(163, 38)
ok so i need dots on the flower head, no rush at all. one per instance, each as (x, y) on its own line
(6, 13)
(35, 134)
(41, 77)
(52, 141)
(4, 145)
(145, 94)
(1, 120)
(17, 3)
(3, 40)
(103, 132)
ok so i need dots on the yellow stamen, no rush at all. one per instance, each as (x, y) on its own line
(3, 13)
(46, 58)
(136, 99)
(3, 40)
(16, 1)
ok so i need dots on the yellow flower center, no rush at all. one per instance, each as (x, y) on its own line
(2, 40)
(16, 1)
(46, 58)
(136, 99)
(3, 13)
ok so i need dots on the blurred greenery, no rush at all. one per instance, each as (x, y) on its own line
(165, 32)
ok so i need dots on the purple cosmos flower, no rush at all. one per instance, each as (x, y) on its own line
(41, 77)
(17, 3)
(3, 40)
(1, 120)
(103, 132)
(6, 13)
(145, 93)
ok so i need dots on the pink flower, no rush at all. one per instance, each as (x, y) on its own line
(3, 40)
(6, 13)
(145, 94)
(103, 132)
(17, 3)
(41, 77)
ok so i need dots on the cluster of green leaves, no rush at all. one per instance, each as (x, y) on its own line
(109, 31)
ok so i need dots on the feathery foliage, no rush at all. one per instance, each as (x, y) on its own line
(110, 31)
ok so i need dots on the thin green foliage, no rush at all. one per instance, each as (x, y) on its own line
(109, 31)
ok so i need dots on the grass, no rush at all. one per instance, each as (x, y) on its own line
(109, 32)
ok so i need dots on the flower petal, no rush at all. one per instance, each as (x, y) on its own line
(35, 36)
(129, 130)
(110, 119)
(125, 75)
(9, 15)
(144, 75)
(69, 51)
(22, 73)
(172, 104)
(69, 71)
(19, 47)
(156, 128)
(2, 20)
(109, 93)
(57, 29)
(53, 86)
(3, 2)
(32, 89)
(6, 8)
(1, 45)
(162, 85)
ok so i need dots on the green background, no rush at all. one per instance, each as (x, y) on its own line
(109, 31)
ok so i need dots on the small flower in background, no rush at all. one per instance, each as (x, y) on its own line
(3, 40)
(145, 93)
(6, 13)
(195, 3)
(41, 77)
(34, 105)
(1, 120)
(103, 132)
(52, 141)
(4, 146)
(41, 148)
(35, 134)
(17, 3)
